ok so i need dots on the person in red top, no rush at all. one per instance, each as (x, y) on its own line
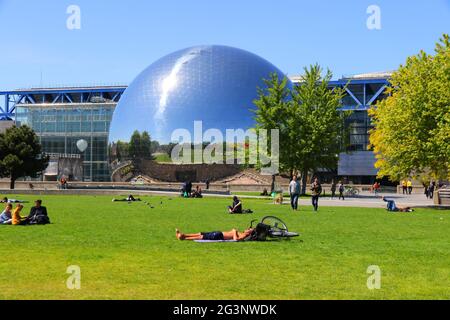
(376, 187)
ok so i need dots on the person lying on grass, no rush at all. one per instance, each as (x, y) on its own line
(215, 235)
(391, 206)
(6, 216)
(6, 200)
(130, 198)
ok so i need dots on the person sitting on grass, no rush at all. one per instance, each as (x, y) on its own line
(215, 235)
(392, 207)
(6, 216)
(236, 207)
(197, 193)
(17, 219)
(38, 214)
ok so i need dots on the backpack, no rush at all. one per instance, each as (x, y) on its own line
(260, 233)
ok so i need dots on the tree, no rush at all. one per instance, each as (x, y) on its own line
(273, 111)
(317, 114)
(146, 146)
(309, 119)
(21, 154)
(134, 147)
(141, 146)
(412, 125)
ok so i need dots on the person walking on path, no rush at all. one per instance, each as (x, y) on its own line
(294, 192)
(404, 186)
(431, 189)
(341, 189)
(409, 185)
(316, 190)
(333, 189)
(425, 189)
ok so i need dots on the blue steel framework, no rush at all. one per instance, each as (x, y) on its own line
(362, 94)
(13, 98)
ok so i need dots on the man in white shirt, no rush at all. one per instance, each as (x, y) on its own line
(294, 192)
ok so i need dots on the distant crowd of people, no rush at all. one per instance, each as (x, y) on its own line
(12, 215)
(429, 188)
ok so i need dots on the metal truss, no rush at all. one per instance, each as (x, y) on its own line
(367, 93)
(9, 100)
(362, 94)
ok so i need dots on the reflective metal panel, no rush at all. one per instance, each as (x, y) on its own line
(214, 84)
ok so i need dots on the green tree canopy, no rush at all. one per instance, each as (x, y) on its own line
(411, 135)
(140, 146)
(20, 154)
(134, 146)
(309, 119)
(146, 146)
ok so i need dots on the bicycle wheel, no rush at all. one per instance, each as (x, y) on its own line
(275, 224)
(284, 234)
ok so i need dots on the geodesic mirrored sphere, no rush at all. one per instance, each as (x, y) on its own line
(212, 84)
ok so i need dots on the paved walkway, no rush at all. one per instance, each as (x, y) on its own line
(365, 199)
(368, 200)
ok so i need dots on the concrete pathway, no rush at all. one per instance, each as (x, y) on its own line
(365, 199)
(370, 201)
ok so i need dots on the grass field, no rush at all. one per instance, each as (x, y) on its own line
(129, 251)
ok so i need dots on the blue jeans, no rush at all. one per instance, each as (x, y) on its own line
(315, 202)
(391, 206)
(294, 201)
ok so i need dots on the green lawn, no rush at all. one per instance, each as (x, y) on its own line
(163, 158)
(129, 251)
(256, 193)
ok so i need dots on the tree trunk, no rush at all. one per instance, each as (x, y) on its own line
(304, 178)
(12, 183)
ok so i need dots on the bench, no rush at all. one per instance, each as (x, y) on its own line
(443, 197)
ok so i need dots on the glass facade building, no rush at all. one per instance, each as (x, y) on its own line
(61, 125)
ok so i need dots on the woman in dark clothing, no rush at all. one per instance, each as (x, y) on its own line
(316, 190)
(236, 207)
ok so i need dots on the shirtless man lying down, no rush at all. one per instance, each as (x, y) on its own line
(215, 235)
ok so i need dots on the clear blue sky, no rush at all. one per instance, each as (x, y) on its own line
(118, 39)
